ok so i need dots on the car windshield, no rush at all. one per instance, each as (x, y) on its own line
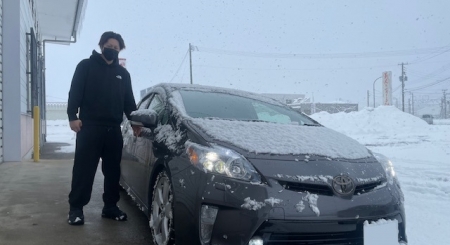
(199, 104)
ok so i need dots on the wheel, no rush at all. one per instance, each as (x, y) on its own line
(161, 215)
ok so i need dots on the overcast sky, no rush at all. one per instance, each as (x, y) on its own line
(260, 45)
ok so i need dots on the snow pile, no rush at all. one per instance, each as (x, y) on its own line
(441, 121)
(381, 120)
(387, 124)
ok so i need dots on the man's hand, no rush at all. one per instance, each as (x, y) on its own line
(136, 130)
(75, 125)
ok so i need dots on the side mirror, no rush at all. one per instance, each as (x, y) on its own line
(145, 117)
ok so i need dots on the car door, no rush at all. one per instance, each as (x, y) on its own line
(144, 149)
(133, 154)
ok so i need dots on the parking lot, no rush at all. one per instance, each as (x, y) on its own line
(33, 206)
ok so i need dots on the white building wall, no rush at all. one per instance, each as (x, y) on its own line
(10, 80)
(26, 22)
(1, 80)
(17, 20)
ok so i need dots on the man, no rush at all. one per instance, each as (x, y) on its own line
(100, 94)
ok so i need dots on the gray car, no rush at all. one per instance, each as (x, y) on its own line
(428, 118)
(223, 166)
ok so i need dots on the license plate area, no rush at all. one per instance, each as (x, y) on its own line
(381, 232)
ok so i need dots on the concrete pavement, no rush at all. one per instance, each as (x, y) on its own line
(34, 207)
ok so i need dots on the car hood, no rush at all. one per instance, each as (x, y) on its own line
(282, 139)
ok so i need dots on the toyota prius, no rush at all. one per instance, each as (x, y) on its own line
(223, 166)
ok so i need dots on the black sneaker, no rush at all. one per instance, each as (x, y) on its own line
(114, 213)
(75, 217)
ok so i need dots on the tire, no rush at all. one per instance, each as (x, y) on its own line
(161, 211)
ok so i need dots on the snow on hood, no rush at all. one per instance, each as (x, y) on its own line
(280, 139)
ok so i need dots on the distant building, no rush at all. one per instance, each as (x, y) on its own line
(311, 108)
(56, 111)
(286, 98)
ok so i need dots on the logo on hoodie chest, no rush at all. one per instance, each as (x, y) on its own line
(119, 77)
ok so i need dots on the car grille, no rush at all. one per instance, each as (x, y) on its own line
(367, 187)
(338, 238)
(325, 189)
(311, 188)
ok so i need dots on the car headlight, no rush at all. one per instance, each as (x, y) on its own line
(222, 161)
(388, 167)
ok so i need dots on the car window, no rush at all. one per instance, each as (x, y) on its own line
(201, 104)
(158, 106)
(144, 103)
(268, 114)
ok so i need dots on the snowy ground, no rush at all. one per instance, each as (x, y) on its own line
(420, 152)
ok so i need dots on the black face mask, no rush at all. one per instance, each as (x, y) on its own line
(110, 54)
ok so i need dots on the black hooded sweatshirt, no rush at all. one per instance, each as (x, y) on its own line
(101, 92)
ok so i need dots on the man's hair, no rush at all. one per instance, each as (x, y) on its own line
(109, 34)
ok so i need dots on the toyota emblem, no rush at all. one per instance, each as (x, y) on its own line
(343, 185)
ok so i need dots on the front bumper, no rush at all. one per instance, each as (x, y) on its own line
(339, 220)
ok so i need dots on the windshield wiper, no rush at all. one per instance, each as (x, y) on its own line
(252, 120)
(311, 124)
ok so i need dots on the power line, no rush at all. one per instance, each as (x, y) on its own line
(182, 62)
(429, 85)
(324, 56)
(424, 59)
(436, 72)
(289, 69)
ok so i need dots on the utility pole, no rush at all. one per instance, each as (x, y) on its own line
(403, 78)
(190, 61)
(445, 103)
(374, 91)
(368, 99)
(409, 105)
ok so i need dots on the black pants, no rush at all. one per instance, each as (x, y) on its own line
(93, 143)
